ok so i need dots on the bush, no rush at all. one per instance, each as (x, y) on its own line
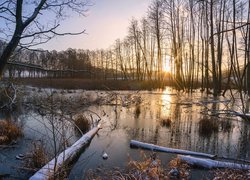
(137, 111)
(165, 122)
(207, 126)
(82, 123)
(38, 157)
(9, 131)
(149, 167)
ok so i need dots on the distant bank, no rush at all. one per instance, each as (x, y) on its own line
(92, 84)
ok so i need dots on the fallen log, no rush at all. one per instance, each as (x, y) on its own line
(209, 163)
(138, 144)
(66, 157)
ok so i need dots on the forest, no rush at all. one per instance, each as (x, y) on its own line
(197, 42)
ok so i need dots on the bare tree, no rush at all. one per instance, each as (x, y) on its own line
(156, 17)
(30, 23)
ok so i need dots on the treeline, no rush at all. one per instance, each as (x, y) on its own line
(69, 63)
(204, 42)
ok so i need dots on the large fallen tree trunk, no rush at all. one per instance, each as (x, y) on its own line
(138, 144)
(66, 157)
(209, 163)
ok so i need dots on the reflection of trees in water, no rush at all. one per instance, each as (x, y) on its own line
(243, 144)
(199, 132)
(175, 128)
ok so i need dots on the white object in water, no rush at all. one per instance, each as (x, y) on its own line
(20, 157)
(105, 155)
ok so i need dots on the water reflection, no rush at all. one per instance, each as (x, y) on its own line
(166, 118)
(166, 99)
(191, 128)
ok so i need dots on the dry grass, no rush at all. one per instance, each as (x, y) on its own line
(165, 122)
(137, 111)
(183, 168)
(82, 123)
(38, 157)
(231, 174)
(9, 131)
(148, 168)
(208, 126)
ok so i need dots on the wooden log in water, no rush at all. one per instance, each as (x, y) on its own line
(66, 157)
(209, 163)
(138, 144)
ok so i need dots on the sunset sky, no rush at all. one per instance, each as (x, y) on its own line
(106, 21)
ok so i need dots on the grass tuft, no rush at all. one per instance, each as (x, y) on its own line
(165, 122)
(208, 126)
(38, 157)
(82, 123)
(9, 131)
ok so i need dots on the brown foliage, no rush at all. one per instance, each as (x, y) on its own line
(231, 174)
(207, 126)
(183, 167)
(9, 131)
(147, 168)
(165, 122)
(82, 123)
(38, 158)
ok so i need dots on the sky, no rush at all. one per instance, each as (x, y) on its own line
(105, 21)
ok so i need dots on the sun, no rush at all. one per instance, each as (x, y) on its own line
(166, 68)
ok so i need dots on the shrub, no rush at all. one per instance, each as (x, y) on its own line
(137, 111)
(38, 158)
(149, 167)
(9, 131)
(207, 126)
(165, 122)
(82, 123)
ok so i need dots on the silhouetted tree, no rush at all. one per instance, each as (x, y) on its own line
(31, 26)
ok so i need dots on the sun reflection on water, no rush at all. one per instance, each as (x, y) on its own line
(166, 100)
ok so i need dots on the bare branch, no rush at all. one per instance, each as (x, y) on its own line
(66, 34)
(41, 32)
(228, 30)
(35, 13)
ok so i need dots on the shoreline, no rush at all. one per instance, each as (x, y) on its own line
(92, 84)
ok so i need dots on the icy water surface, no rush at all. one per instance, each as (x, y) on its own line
(165, 118)
(188, 130)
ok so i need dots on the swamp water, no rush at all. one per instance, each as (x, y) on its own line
(167, 118)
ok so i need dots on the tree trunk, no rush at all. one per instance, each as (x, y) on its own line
(9, 50)
(209, 163)
(138, 144)
(65, 158)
